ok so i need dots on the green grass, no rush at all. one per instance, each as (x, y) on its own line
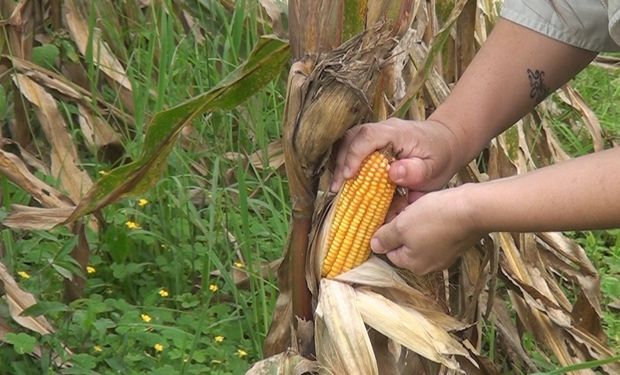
(154, 287)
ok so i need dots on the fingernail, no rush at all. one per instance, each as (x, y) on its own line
(399, 172)
(374, 244)
(346, 172)
(334, 186)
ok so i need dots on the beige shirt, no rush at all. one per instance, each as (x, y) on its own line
(589, 24)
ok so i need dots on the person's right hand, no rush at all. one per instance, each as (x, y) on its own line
(427, 152)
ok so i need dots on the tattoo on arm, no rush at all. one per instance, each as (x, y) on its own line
(538, 89)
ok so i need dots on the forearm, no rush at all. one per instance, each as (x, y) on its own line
(496, 89)
(575, 195)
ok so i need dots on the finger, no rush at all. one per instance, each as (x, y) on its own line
(398, 204)
(415, 195)
(361, 143)
(388, 237)
(401, 257)
(343, 148)
(410, 172)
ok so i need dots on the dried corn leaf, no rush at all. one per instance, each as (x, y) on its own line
(34, 218)
(508, 337)
(286, 363)
(60, 85)
(64, 159)
(574, 99)
(101, 52)
(607, 61)
(409, 328)
(342, 343)
(241, 276)
(424, 70)
(13, 167)
(384, 279)
(99, 135)
(274, 155)
(28, 159)
(537, 313)
(19, 300)
(277, 10)
(21, 33)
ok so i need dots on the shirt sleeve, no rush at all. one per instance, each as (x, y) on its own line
(580, 23)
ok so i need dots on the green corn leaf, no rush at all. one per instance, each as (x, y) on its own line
(263, 65)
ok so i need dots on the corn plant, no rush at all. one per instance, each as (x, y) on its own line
(353, 61)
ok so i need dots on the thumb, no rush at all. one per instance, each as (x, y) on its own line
(410, 173)
(386, 238)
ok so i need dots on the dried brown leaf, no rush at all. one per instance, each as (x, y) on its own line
(34, 218)
(508, 336)
(342, 343)
(64, 159)
(574, 99)
(277, 10)
(409, 328)
(274, 155)
(241, 276)
(286, 363)
(104, 58)
(384, 279)
(67, 89)
(19, 300)
(14, 168)
(99, 135)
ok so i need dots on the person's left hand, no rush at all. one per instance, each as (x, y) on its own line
(431, 233)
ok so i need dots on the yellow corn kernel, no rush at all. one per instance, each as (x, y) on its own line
(361, 207)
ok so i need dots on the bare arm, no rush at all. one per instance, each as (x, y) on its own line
(582, 193)
(494, 92)
(514, 70)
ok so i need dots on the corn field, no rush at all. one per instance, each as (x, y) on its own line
(348, 62)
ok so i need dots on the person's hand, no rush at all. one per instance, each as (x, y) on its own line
(431, 233)
(427, 153)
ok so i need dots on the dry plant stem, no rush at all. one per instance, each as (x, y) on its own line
(465, 42)
(302, 197)
(56, 14)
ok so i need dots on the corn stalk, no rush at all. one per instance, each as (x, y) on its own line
(358, 61)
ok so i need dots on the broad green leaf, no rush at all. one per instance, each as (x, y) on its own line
(45, 55)
(44, 308)
(263, 65)
(22, 342)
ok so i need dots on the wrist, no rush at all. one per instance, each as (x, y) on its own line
(455, 139)
(471, 209)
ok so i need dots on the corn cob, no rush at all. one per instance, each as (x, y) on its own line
(361, 207)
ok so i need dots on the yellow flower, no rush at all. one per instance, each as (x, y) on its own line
(132, 225)
(218, 338)
(158, 347)
(214, 288)
(98, 348)
(90, 269)
(142, 202)
(163, 292)
(239, 264)
(104, 173)
(24, 274)
(241, 353)
(145, 317)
